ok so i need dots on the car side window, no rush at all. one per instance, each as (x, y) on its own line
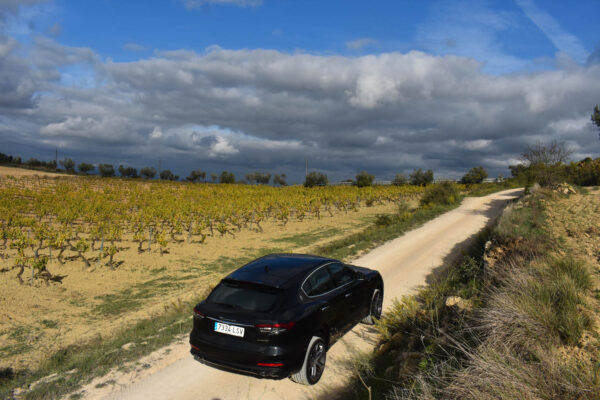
(341, 274)
(318, 283)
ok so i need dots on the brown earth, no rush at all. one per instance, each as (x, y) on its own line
(575, 223)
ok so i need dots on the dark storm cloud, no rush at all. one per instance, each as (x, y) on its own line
(249, 110)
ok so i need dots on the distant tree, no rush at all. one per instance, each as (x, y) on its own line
(68, 164)
(363, 179)
(17, 160)
(85, 168)
(106, 170)
(552, 153)
(316, 179)
(596, 117)
(5, 158)
(475, 175)
(128, 172)
(517, 170)
(51, 164)
(250, 178)
(167, 175)
(196, 176)
(34, 162)
(421, 178)
(545, 163)
(280, 180)
(148, 172)
(227, 177)
(262, 178)
(214, 177)
(399, 180)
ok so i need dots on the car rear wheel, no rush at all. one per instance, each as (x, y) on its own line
(375, 308)
(314, 362)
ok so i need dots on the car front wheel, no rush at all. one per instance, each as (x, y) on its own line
(314, 362)
(375, 308)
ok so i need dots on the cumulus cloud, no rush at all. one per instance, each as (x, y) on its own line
(222, 147)
(246, 110)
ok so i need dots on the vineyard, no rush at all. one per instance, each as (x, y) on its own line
(91, 220)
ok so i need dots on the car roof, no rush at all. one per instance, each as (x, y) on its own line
(278, 270)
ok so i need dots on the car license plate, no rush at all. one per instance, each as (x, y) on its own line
(229, 329)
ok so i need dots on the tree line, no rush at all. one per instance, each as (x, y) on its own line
(418, 177)
(108, 170)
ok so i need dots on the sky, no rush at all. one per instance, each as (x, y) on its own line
(269, 85)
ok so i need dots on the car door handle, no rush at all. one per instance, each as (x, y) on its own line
(348, 295)
(324, 308)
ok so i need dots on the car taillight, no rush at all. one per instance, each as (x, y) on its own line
(198, 314)
(274, 329)
(270, 364)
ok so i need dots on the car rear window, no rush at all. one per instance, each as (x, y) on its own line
(244, 296)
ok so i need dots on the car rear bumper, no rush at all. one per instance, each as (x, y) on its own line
(254, 371)
(223, 354)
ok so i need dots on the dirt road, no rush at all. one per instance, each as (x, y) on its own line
(404, 264)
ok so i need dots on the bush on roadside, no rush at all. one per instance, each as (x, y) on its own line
(445, 193)
(383, 220)
(515, 318)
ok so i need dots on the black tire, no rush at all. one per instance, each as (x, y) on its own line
(375, 308)
(314, 362)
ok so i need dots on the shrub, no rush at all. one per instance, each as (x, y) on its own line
(148, 172)
(167, 175)
(363, 179)
(85, 167)
(383, 220)
(128, 172)
(196, 176)
(106, 170)
(68, 164)
(399, 180)
(475, 175)
(280, 180)
(227, 177)
(315, 179)
(444, 193)
(421, 178)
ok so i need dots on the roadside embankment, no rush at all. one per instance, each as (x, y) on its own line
(517, 317)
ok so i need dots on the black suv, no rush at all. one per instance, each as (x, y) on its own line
(277, 316)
